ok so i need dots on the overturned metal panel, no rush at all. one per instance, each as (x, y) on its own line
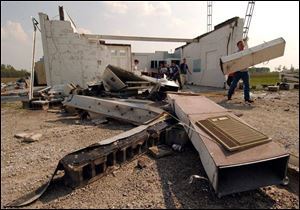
(118, 79)
(232, 133)
(229, 172)
(124, 75)
(252, 56)
(111, 82)
(91, 163)
(135, 113)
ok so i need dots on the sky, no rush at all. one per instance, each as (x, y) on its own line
(271, 20)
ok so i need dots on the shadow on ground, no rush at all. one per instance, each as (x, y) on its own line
(111, 124)
(175, 172)
(236, 104)
(57, 189)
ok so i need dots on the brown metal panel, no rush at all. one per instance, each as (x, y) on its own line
(232, 133)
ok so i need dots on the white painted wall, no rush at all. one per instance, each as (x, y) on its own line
(71, 57)
(146, 58)
(209, 50)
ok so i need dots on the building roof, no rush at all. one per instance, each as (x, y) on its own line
(227, 22)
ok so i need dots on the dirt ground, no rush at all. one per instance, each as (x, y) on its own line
(164, 183)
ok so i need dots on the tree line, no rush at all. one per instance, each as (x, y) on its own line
(279, 68)
(259, 70)
(10, 71)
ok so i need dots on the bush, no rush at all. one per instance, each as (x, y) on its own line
(9, 71)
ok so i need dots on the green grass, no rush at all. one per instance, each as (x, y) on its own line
(257, 79)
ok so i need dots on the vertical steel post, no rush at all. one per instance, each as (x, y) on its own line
(32, 63)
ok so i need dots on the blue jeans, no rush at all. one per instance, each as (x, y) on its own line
(237, 76)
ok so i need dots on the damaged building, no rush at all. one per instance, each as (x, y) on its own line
(75, 61)
(82, 58)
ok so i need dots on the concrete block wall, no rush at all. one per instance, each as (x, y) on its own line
(71, 57)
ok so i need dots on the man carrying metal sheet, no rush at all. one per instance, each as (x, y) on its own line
(242, 74)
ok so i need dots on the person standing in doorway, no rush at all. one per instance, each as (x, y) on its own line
(184, 68)
(136, 63)
(242, 74)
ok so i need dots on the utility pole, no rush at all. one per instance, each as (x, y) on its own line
(209, 16)
(35, 23)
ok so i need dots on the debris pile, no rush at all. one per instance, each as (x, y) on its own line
(116, 83)
(289, 81)
(19, 84)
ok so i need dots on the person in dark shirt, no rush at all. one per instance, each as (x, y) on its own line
(184, 68)
(176, 73)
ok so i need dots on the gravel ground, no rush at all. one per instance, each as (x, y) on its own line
(162, 184)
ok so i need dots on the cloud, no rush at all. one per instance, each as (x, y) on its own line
(84, 31)
(163, 8)
(143, 8)
(116, 6)
(177, 22)
(13, 31)
(151, 9)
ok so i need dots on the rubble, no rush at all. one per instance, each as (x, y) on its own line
(289, 77)
(28, 137)
(273, 88)
(176, 135)
(160, 151)
(143, 162)
(128, 96)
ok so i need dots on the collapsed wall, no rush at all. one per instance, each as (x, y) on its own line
(72, 57)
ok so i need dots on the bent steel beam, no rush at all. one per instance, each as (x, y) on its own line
(135, 113)
(139, 38)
